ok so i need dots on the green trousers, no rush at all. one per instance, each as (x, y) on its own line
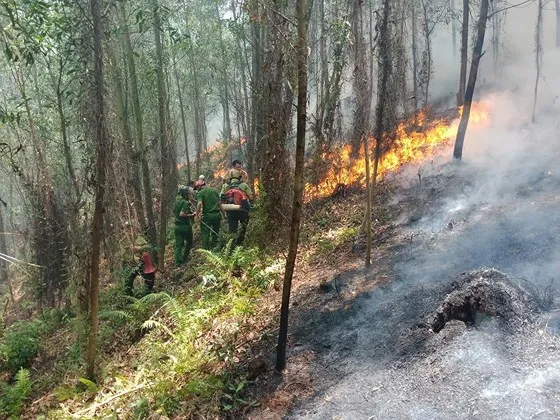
(210, 229)
(183, 243)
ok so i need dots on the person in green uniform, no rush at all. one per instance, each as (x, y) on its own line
(210, 212)
(183, 226)
(237, 219)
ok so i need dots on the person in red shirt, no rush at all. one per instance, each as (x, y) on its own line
(146, 269)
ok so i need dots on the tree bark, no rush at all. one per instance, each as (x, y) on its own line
(464, 54)
(129, 56)
(298, 182)
(97, 224)
(477, 54)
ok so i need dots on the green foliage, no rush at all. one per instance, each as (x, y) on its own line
(20, 344)
(233, 399)
(193, 336)
(13, 396)
(328, 242)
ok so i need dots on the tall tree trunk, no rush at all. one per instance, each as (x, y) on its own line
(97, 224)
(464, 54)
(477, 54)
(183, 117)
(382, 86)
(257, 88)
(361, 85)
(163, 135)
(298, 183)
(538, 55)
(273, 152)
(137, 110)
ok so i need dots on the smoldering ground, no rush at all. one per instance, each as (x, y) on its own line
(500, 208)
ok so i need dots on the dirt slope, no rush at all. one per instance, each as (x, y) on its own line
(374, 357)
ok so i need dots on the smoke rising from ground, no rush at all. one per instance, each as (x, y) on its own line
(499, 208)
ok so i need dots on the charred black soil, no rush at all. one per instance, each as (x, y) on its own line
(493, 246)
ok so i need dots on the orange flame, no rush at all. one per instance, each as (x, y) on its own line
(410, 146)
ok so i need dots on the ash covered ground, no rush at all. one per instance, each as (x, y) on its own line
(377, 358)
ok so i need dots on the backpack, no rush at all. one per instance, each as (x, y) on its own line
(234, 195)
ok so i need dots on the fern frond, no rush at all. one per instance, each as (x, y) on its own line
(114, 315)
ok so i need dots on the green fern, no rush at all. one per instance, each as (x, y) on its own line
(116, 316)
(12, 397)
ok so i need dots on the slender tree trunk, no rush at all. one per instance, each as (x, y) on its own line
(163, 134)
(4, 276)
(464, 54)
(453, 29)
(132, 173)
(557, 4)
(428, 52)
(97, 225)
(183, 117)
(368, 203)
(414, 55)
(298, 183)
(477, 54)
(137, 110)
(57, 84)
(538, 55)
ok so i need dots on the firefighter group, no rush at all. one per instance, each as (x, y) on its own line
(198, 202)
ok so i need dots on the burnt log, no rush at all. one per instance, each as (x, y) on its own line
(488, 292)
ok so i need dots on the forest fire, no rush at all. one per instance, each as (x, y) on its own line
(414, 141)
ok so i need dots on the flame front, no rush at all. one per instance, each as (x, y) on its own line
(409, 146)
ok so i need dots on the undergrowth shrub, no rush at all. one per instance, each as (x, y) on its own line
(13, 396)
(20, 344)
(187, 364)
(195, 337)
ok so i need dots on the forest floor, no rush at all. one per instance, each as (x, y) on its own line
(359, 343)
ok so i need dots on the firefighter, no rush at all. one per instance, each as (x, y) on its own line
(184, 214)
(238, 193)
(210, 212)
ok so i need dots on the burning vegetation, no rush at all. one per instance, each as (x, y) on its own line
(415, 140)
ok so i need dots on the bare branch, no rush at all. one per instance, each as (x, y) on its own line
(511, 7)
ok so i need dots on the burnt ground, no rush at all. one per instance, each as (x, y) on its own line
(374, 355)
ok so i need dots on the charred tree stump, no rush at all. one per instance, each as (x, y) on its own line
(487, 292)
